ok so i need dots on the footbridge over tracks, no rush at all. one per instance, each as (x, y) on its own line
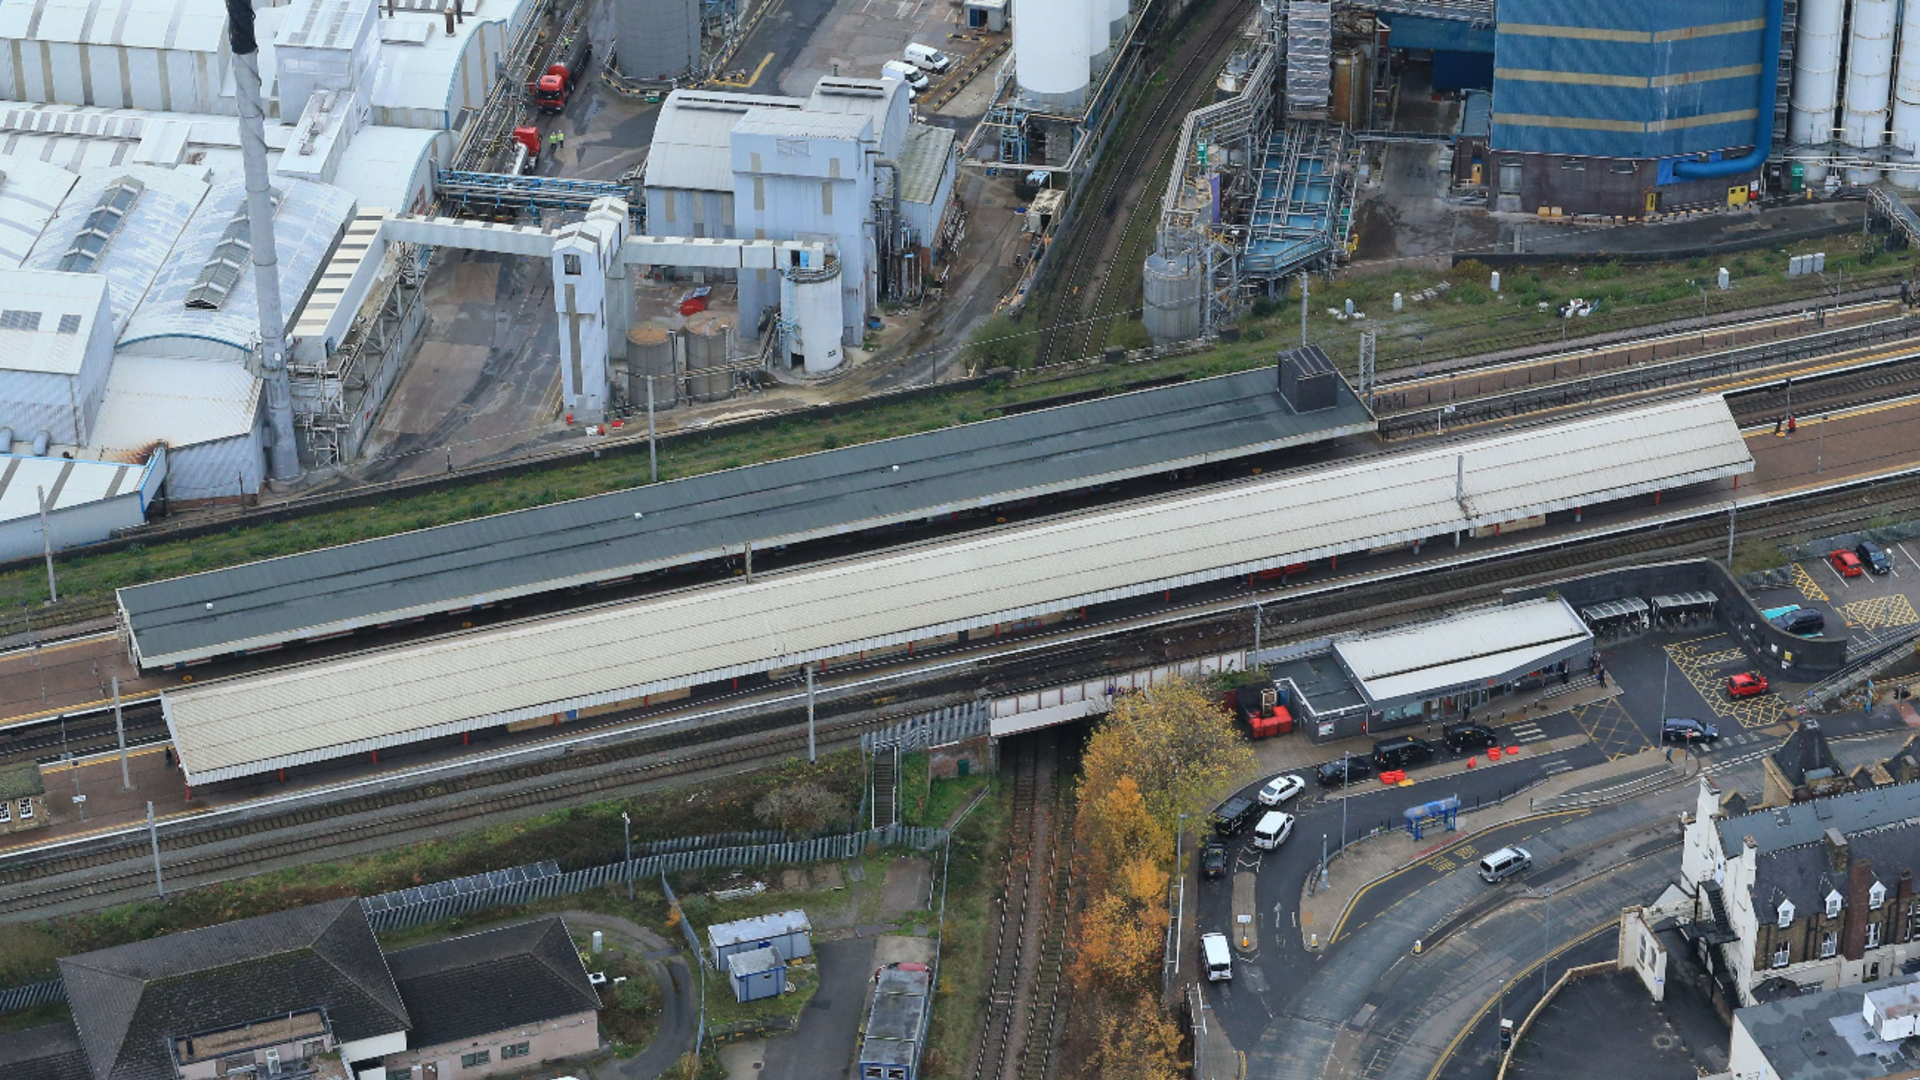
(621, 654)
(591, 261)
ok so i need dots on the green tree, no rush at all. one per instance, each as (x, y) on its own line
(999, 342)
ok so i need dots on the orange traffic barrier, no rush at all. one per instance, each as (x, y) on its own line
(1493, 753)
(1513, 751)
(1470, 761)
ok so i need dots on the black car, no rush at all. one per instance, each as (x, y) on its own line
(1401, 752)
(1232, 816)
(1801, 620)
(1463, 737)
(1681, 729)
(1343, 772)
(1874, 556)
(1213, 860)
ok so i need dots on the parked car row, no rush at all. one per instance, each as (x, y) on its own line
(1865, 556)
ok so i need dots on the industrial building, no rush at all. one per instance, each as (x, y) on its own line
(897, 1016)
(846, 166)
(1632, 107)
(129, 298)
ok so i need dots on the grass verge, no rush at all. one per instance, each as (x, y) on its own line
(972, 881)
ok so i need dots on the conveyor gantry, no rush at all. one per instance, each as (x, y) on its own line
(506, 195)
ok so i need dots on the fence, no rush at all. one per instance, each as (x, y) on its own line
(16, 998)
(847, 846)
(952, 724)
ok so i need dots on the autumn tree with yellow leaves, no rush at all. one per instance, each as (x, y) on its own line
(1158, 754)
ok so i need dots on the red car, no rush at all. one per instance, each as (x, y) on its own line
(1847, 563)
(1751, 685)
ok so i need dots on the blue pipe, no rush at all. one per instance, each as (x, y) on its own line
(1694, 169)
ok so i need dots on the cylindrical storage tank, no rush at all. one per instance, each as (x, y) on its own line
(1099, 38)
(656, 39)
(1816, 77)
(1171, 284)
(1349, 87)
(650, 349)
(1869, 80)
(1906, 97)
(1050, 40)
(810, 312)
(709, 340)
(1116, 19)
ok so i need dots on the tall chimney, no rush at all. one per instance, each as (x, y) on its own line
(282, 455)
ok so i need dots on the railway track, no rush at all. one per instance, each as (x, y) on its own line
(50, 743)
(1044, 1011)
(1073, 332)
(121, 866)
(1811, 398)
(1018, 940)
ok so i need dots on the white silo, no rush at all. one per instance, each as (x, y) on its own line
(1099, 40)
(1816, 77)
(1906, 97)
(1869, 80)
(1117, 18)
(1050, 39)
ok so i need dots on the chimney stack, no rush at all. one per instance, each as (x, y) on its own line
(1839, 855)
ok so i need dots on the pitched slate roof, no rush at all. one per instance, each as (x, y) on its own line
(1803, 823)
(530, 973)
(48, 1052)
(128, 999)
(1804, 876)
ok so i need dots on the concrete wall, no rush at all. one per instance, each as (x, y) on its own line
(1804, 659)
(568, 1036)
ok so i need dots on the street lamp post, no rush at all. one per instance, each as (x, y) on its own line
(626, 826)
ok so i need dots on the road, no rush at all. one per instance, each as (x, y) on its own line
(1367, 1006)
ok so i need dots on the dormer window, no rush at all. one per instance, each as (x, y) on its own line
(1876, 896)
(1786, 914)
(1833, 905)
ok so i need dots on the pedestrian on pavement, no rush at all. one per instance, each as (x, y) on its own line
(1601, 673)
(1790, 424)
(1777, 421)
(1669, 755)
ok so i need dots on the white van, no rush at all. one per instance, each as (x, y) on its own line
(1504, 863)
(915, 79)
(928, 58)
(1273, 830)
(1215, 957)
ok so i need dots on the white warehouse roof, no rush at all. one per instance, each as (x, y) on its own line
(133, 250)
(142, 24)
(487, 678)
(30, 191)
(307, 221)
(692, 147)
(1468, 647)
(153, 399)
(68, 483)
(46, 318)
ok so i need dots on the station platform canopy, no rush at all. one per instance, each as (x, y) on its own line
(609, 537)
(623, 652)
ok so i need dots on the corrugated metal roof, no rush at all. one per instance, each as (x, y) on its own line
(323, 24)
(923, 161)
(1471, 646)
(30, 192)
(721, 935)
(179, 402)
(378, 167)
(692, 146)
(310, 217)
(66, 482)
(804, 123)
(62, 308)
(141, 245)
(488, 678)
(823, 494)
(145, 24)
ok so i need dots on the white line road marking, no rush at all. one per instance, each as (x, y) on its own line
(1909, 554)
(1828, 563)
